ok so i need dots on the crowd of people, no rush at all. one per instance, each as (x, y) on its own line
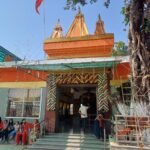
(102, 122)
(22, 132)
(26, 133)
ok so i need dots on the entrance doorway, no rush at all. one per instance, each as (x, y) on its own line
(69, 99)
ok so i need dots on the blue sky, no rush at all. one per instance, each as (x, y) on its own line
(22, 30)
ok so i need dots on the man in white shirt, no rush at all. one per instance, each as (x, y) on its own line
(83, 114)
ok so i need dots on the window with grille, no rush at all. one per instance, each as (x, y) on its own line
(24, 103)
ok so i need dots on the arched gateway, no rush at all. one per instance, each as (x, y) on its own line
(85, 78)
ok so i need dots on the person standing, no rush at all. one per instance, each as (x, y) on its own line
(83, 114)
(96, 127)
(101, 126)
(71, 114)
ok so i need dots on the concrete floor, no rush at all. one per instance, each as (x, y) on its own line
(11, 147)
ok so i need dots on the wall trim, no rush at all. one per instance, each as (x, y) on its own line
(40, 84)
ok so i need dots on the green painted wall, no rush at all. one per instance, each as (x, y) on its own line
(43, 103)
(3, 102)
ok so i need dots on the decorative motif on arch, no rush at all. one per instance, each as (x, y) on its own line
(84, 78)
(51, 92)
(76, 78)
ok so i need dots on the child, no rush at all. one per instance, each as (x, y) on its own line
(99, 127)
(96, 127)
(14, 132)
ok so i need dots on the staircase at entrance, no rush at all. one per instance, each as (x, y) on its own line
(66, 141)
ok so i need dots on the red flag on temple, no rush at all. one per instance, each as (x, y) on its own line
(37, 5)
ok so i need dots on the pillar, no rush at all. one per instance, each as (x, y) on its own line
(102, 93)
(50, 112)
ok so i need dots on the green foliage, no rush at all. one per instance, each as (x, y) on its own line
(71, 4)
(106, 3)
(125, 12)
(120, 49)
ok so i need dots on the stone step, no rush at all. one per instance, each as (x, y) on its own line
(71, 136)
(67, 141)
(58, 147)
(94, 141)
(70, 144)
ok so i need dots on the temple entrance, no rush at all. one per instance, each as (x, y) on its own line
(69, 99)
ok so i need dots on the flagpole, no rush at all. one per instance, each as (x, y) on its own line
(44, 24)
(44, 21)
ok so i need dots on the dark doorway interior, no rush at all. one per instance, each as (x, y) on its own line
(70, 98)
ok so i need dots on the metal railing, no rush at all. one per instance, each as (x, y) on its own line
(104, 139)
(132, 130)
(45, 127)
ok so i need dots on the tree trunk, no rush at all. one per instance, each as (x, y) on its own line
(139, 45)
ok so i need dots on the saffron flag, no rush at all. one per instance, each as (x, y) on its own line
(37, 5)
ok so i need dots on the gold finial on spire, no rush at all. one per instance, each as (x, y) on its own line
(79, 14)
(79, 10)
(99, 17)
(58, 21)
(58, 24)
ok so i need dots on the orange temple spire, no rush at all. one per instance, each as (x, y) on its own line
(78, 27)
(99, 26)
(57, 33)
